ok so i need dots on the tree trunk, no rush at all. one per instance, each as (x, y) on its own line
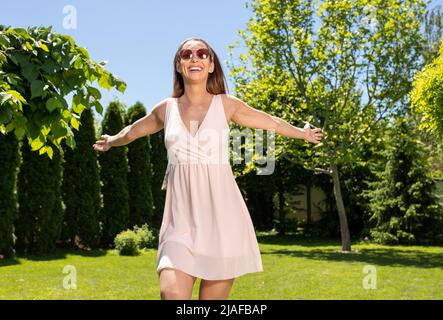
(344, 229)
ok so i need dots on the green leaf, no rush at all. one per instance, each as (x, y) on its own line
(4, 40)
(13, 95)
(9, 127)
(58, 129)
(49, 151)
(105, 81)
(94, 92)
(22, 32)
(28, 46)
(37, 143)
(30, 72)
(37, 88)
(44, 47)
(74, 123)
(78, 108)
(49, 66)
(84, 52)
(3, 59)
(4, 97)
(98, 107)
(19, 132)
(53, 103)
(17, 96)
(6, 113)
(78, 64)
(121, 87)
(66, 114)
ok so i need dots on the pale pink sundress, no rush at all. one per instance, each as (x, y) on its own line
(206, 229)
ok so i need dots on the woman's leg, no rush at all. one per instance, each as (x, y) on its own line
(215, 289)
(176, 284)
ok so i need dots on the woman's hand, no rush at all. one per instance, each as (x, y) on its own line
(102, 145)
(313, 135)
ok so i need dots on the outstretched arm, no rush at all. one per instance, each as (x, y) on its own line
(247, 116)
(144, 126)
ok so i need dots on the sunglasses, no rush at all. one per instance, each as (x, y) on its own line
(201, 53)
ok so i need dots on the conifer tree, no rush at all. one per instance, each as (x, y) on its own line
(114, 176)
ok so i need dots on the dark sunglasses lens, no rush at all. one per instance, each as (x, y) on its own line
(185, 54)
(203, 53)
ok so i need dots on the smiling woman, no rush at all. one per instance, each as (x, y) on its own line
(206, 231)
(205, 217)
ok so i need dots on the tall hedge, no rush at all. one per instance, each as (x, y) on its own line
(159, 162)
(81, 187)
(114, 176)
(40, 215)
(9, 161)
(140, 173)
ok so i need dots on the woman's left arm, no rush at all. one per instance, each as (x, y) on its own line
(246, 116)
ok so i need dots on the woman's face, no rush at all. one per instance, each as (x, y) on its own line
(200, 67)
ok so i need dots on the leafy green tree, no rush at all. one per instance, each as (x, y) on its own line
(346, 77)
(9, 162)
(114, 176)
(403, 205)
(433, 27)
(140, 173)
(39, 68)
(81, 187)
(427, 95)
(39, 222)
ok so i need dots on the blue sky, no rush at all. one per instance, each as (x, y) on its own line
(138, 38)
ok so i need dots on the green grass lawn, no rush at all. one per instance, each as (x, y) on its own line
(294, 268)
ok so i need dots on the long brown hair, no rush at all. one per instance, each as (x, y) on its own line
(216, 83)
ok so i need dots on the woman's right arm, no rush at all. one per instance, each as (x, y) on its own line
(149, 124)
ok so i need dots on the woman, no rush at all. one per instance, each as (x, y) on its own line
(206, 231)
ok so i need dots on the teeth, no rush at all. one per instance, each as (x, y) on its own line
(193, 69)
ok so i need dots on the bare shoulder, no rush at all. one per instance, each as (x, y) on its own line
(231, 104)
(159, 110)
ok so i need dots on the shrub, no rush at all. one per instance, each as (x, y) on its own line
(126, 242)
(146, 238)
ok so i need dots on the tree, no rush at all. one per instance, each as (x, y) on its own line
(433, 27)
(403, 205)
(39, 69)
(81, 187)
(40, 217)
(9, 161)
(114, 176)
(427, 95)
(346, 77)
(140, 173)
